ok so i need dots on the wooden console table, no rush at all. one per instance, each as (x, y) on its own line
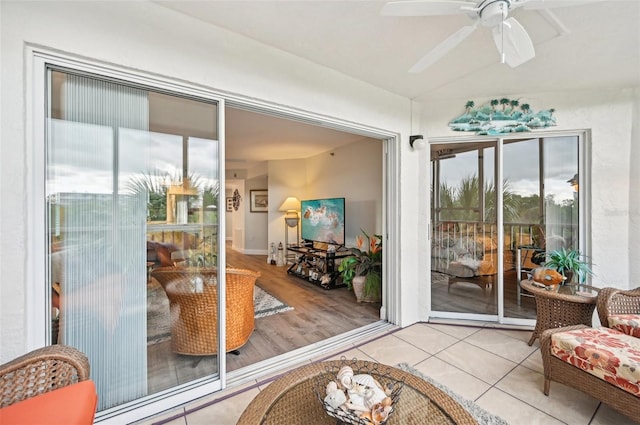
(317, 266)
(559, 307)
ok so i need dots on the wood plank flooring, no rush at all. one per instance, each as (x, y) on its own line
(317, 314)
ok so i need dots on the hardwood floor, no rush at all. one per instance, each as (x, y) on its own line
(469, 295)
(317, 314)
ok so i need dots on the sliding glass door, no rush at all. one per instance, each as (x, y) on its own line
(541, 209)
(497, 208)
(132, 188)
(464, 252)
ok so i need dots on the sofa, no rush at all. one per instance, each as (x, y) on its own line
(603, 362)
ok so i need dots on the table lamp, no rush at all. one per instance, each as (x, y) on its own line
(291, 205)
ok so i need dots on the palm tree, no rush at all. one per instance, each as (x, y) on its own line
(155, 183)
(514, 104)
(504, 102)
(466, 197)
(525, 108)
(494, 103)
(470, 104)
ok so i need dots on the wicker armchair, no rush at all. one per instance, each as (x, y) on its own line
(617, 301)
(193, 304)
(40, 371)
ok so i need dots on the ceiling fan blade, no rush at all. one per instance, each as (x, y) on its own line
(426, 7)
(441, 49)
(514, 42)
(550, 4)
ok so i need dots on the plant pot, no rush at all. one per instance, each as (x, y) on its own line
(358, 284)
(569, 275)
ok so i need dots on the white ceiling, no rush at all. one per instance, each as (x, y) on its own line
(253, 137)
(602, 49)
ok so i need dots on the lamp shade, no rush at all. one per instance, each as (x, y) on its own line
(290, 204)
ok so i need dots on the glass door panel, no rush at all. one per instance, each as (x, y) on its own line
(540, 210)
(464, 252)
(133, 190)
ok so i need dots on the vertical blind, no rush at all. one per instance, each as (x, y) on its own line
(98, 249)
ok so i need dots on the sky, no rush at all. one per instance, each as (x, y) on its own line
(521, 166)
(80, 157)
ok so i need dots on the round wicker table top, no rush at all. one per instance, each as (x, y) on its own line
(580, 294)
(291, 399)
(564, 306)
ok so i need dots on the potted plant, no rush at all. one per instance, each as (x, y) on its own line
(362, 272)
(568, 262)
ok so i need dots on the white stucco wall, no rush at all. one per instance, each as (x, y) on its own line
(612, 117)
(149, 38)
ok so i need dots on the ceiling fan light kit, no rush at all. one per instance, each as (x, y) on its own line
(511, 38)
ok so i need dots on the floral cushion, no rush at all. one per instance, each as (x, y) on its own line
(626, 323)
(606, 353)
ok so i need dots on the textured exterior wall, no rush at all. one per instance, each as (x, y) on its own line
(612, 117)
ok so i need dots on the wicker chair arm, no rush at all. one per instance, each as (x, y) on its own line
(617, 301)
(42, 370)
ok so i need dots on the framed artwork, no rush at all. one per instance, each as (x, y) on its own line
(259, 201)
(229, 204)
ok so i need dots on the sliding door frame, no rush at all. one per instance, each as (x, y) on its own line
(584, 214)
(38, 60)
(39, 329)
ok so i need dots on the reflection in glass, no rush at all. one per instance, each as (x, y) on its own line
(464, 251)
(539, 214)
(132, 185)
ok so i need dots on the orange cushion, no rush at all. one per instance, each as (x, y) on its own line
(71, 405)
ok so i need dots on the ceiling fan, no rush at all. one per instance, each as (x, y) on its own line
(512, 40)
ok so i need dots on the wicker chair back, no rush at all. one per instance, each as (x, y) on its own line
(193, 305)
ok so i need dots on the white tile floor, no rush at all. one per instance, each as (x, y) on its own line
(494, 367)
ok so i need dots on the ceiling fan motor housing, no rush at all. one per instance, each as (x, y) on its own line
(493, 12)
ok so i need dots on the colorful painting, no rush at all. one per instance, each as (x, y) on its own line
(502, 117)
(323, 220)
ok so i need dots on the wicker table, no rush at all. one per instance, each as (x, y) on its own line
(560, 308)
(291, 400)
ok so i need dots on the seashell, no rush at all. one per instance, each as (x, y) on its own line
(367, 417)
(331, 387)
(367, 382)
(344, 376)
(335, 399)
(380, 413)
(356, 405)
(386, 402)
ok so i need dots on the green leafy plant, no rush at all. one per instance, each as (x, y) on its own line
(568, 262)
(364, 262)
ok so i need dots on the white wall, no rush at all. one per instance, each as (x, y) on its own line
(151, 39)
(612, 116)
(286, 178)
(255, 233)
(353, 172)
